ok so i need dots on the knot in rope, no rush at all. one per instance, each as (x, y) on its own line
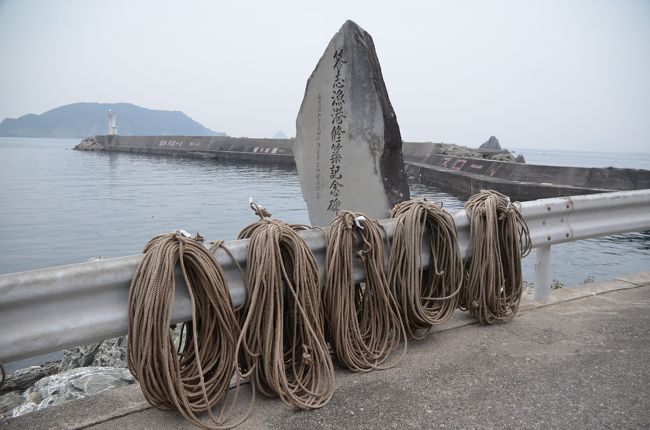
(259, 210)
(499, 238)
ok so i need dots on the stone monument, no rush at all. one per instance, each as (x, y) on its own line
(348, 146)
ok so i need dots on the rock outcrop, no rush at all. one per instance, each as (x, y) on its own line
(89, 144)
(108, 353)
(70, 385)
(22, 379)
(491, 144)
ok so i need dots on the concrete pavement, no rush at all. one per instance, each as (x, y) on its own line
(579, 360)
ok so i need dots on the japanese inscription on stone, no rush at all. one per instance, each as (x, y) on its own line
(338, 102)
(348, 146)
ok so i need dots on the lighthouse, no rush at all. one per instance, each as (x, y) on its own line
(112, 123)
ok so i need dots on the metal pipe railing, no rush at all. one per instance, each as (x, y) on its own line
(52, 309)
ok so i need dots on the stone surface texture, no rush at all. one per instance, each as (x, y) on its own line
(22, 379)
(70, 385)
(112, 353)
(348, 147)
(79, 356)
(108, 353)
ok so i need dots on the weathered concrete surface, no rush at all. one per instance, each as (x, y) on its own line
(348, 146)
(577, 361)
(264, 151)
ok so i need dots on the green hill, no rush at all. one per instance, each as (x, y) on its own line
(86, 119)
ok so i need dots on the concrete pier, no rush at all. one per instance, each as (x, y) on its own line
(576, 360)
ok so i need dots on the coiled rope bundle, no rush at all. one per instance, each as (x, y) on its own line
(426, 297)
(363, 319)
(282, 345)
(197, 376)
(499, 238)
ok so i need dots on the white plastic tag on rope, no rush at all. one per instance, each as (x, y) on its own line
(358, 220)
(184, 233)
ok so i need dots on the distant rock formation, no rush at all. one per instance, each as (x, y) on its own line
(280, 135)
(520, 159)
(491, 144)
(87, 119)
(464, 151)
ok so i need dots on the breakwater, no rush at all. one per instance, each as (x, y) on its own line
(269, 151)
(432, 163)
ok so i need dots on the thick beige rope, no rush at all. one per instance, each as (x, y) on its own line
(499, 238)
(426, 297)
(282, 347)
(3, 374)
(363, 319)
(197, 376)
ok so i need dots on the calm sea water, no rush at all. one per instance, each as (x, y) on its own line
(632, 160)
(59, 206)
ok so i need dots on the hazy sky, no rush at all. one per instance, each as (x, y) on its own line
(537, 74)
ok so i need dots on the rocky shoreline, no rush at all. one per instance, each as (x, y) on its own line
(84, 371)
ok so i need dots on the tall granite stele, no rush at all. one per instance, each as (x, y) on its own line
(348, 146)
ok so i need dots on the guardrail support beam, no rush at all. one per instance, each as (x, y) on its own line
(542, 272)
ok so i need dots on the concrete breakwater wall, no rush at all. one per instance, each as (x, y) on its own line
(434, 163)
(597, 178)
(273, 151)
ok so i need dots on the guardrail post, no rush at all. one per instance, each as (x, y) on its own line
(542, 272)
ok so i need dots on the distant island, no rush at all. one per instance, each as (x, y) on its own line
(87, 119)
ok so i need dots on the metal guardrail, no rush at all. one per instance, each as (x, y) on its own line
(52, 309)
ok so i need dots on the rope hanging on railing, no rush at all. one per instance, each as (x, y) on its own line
(282, 347)
(426, 296)
(3, 374)
(499, 238)
(194, 378)
(363, 319)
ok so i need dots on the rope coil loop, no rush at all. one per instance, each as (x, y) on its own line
(363, 319)
(194, 378)
(3, 374)
(426, 297)
(499, 238)
(282, 347)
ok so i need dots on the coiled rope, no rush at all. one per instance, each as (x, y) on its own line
(363, 319)
(194, 378)
(3, 374)
(282, 347)
(499, 238)
(426, 297)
